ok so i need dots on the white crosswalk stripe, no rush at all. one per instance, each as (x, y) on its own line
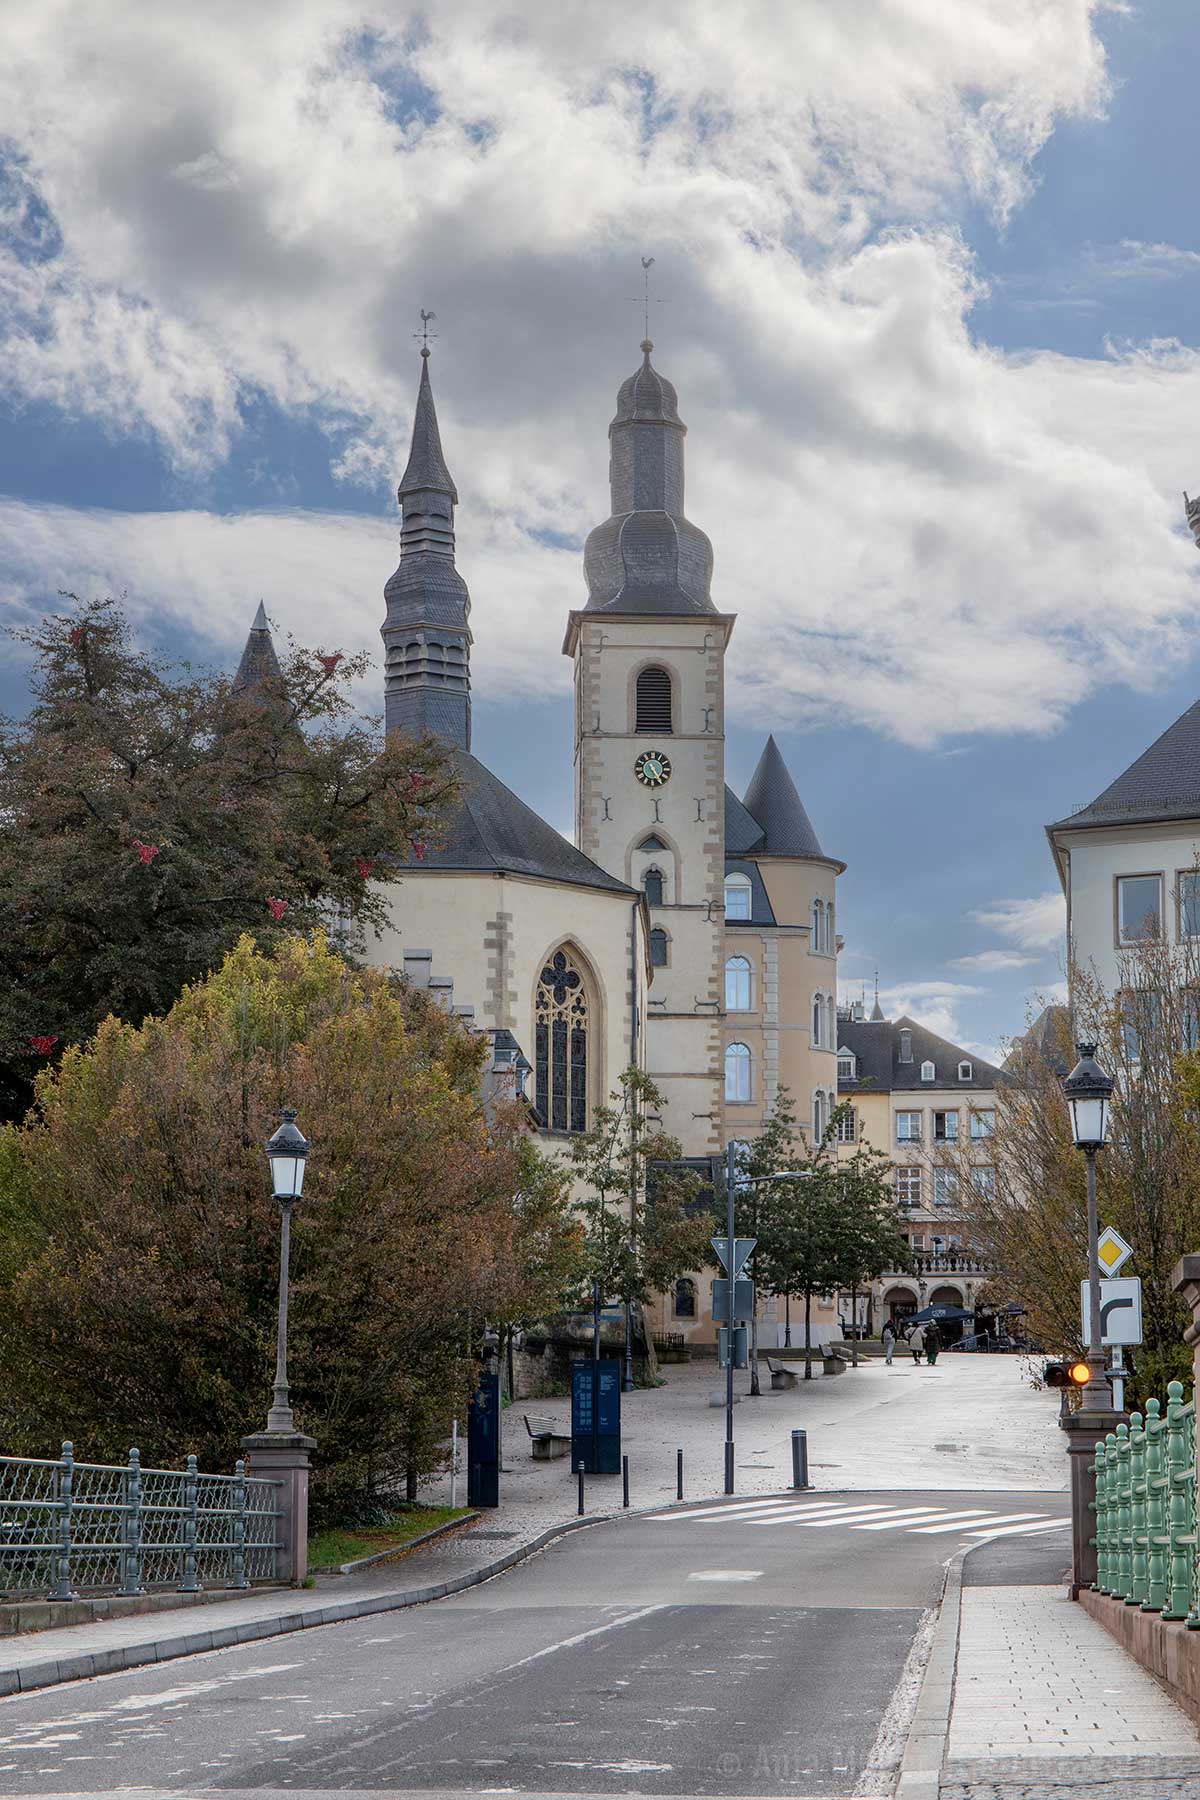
(980, 1523)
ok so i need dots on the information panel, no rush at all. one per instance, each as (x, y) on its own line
(483, 1441)
(596, 1416)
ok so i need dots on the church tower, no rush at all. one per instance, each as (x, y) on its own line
(649, 652)
(426, 638)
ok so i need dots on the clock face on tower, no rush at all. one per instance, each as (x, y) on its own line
(653, 769)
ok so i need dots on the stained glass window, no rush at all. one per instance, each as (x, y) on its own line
(561, 1016)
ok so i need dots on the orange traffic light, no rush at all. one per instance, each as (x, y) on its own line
(1080, 1374)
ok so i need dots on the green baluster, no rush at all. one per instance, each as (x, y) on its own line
(1140, 1578)
(1106, 1571)
(1124, 1581)
(1097, 1510)
(1156, 1511)
(1189, 1446)
(1179, 1556)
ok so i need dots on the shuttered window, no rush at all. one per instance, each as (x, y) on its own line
(654, 702)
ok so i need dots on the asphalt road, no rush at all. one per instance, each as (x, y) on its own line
(745, 1650)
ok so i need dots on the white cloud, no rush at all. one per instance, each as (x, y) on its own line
(994, 961)
(904, 518)
(1036, 924)
(934, 1004)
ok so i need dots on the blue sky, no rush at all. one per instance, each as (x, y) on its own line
(929, 287)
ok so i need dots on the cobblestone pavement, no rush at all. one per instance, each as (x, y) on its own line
(1046, 1705)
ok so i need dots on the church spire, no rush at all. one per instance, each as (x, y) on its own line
(259, 662)
(427, 641)
(647, 557)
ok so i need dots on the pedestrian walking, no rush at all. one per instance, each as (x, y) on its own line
(888, 1334)
(933, 1343)
(916, 1342)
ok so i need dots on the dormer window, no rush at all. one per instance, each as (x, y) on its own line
(965, 1072)
(906, 1046)
(737, 896)
(847, 1065)
(928, 1072)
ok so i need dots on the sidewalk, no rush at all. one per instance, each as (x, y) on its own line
(1047, 1707)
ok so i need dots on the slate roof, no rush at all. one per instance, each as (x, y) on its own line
(876, 1045)
(743, 832)
(426, 469)
(761, 910)
(492, 829)
(259, 662)
(1164, 782)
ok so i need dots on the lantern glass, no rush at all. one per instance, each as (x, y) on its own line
(287, 1151)
(1089, 1097)
(1089, 1120)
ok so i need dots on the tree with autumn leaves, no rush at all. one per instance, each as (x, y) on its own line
(149, 815)
(139, 1240)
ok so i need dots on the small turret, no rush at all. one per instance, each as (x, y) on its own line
(259, 662)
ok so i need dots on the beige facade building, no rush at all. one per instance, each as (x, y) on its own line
(930, 1106)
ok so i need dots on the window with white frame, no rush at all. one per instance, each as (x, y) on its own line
(737, 1072)
(965, 1072)
(908, 1184)
(1188, 892)
(847, 1127)
(737, 897)
(908, 1127)
(928, 1072)
(737, 984)
(847, 1065)
(1139, 908)
(945, 1187)
(983, 1123)
(945, 1127)
(983, 1180)
(819, 1117)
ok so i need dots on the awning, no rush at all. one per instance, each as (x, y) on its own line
(941, 1315)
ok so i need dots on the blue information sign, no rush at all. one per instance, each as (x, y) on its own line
(596, 1416)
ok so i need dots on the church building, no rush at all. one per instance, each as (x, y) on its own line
(685, 929)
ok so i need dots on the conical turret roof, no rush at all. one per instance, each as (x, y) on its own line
(773, 801)
(259, 662)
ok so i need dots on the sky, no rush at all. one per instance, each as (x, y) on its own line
(926, 279)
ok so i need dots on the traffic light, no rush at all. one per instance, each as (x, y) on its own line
(1066, 1375)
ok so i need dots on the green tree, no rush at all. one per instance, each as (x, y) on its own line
(149, 815)
(800, 1222)
(642, 1222)
(139, 1240)
(869, 1239)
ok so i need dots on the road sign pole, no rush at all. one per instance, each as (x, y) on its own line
(1096, 1395)
(730, 1169)
(1118, 1386)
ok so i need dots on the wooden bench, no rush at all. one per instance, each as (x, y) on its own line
(781, 1375)
(546, 1440)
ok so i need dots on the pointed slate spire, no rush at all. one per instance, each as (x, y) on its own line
(647, 557)
(774, 802)
(259, 662)
(427, 641)
(877, 1010)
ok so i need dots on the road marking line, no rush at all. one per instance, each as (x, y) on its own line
(956, 1521)
(911, 1517)
(725, 1575)
(1003, 1530)
(847, 1518)
(582, 1637)
(794, 1515)
(745, 1507)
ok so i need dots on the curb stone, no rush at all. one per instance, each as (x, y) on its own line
(924, 1751)
(399, 1551)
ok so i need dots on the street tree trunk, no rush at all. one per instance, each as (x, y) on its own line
(854, 1327)
(808, 1334)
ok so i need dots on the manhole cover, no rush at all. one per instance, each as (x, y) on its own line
(947, 1446)
(492, 1536)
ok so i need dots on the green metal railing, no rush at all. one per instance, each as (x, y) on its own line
(1145, 1511)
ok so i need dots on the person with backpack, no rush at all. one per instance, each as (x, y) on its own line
(888, 1339)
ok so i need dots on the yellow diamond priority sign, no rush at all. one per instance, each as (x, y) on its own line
(1114, 1251)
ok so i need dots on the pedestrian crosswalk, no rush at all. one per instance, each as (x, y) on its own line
(915, 1519)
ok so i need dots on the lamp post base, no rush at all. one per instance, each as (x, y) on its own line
(282, 1457)
(1085, 1429)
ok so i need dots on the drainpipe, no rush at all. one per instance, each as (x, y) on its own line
(627, 1373)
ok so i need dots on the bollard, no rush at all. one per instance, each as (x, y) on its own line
(679, 1473)
(800, 1459)
(580, 1490)
(624, 1481)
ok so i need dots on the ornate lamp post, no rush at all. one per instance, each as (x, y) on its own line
(1088, 1093)
(287, 1150)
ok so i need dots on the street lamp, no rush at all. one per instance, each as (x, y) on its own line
(287, 1151)
(1088, 1092)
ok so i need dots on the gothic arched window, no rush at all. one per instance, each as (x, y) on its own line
(652, 887)
(685, 1298)
(561, 1054)
(654, 702)
(658, 948)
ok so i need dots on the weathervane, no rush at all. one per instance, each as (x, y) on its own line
(425, 334)
(647, 298)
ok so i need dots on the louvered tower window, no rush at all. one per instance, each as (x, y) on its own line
(654, 702)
